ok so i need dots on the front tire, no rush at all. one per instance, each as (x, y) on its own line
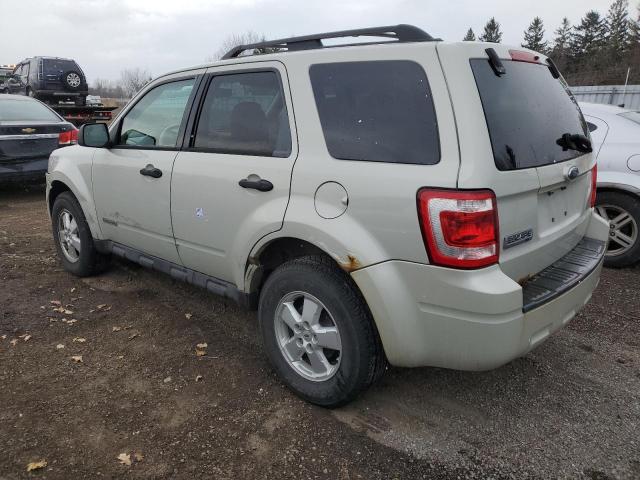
(73, 239)
(318, 332)
(623, 212)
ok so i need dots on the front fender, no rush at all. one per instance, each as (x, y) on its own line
(625, 181)
(72, 167)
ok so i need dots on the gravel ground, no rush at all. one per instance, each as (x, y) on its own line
(120, 375)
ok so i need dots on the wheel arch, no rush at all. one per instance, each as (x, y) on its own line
(57, 184)
(270, 254)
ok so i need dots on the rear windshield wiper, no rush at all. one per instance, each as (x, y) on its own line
(575, 141)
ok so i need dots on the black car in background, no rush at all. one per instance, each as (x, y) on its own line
(29, 132)
(49, 79)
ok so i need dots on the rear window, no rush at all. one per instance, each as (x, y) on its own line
(527, 110)
(24, 110)
(51, 65)
(379, 111)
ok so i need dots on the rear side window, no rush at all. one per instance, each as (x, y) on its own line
(527, 111)
(24, 110)
(245, 114)
(53, 66)
(380, 111)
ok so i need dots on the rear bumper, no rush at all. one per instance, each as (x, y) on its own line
(53, 93)
(467, 320)
(24, 171)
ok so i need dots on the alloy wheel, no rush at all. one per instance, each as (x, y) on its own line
(69, 236)
(623, 229)
(73, 80)
(308, 336)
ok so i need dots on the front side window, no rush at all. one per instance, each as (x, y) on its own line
(245, 114)
(380, 111)
(155, 120)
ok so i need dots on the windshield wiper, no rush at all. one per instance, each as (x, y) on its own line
(575, 141)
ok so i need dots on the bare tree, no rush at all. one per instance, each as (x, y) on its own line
(106, 88)
(236, 39)
(132, 80)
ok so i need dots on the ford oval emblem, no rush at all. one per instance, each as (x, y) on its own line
(572, 173)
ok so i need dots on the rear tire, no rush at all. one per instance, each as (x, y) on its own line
(624, 240)
(73, 239)
(333, 351)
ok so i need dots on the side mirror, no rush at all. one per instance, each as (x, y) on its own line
(94, 135)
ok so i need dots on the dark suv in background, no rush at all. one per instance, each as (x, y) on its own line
(49, 79)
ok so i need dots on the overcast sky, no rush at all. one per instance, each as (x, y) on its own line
(106, 36)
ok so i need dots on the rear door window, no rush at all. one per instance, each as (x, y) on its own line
(378, 111)
(527, 111)
(245, 114)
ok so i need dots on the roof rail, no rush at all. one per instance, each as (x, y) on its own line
(400, 33)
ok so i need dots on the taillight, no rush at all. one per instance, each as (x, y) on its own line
(460, 228)
(594, 185)
(68, 138)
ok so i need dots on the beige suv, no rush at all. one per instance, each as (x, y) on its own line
(408, 200)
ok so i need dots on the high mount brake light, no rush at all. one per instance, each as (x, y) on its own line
(68, 138)
(522, 56)
(460, 228)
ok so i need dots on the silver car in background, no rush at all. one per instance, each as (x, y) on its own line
(615, 133)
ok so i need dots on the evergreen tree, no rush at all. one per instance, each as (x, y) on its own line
(588, 37)
(562, 40)
(492, 32)
(617, 26)
(470, 36)
(634, 31)
(534, 36)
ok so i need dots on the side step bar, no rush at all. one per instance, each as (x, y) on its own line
(564, 274)
(178, 272)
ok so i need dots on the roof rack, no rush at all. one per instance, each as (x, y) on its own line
(401, 33)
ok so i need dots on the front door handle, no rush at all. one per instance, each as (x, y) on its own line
(261, 185)
(151, 171)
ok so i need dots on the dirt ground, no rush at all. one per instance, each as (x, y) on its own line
(571, 409)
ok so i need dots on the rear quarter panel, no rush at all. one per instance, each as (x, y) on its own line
(381, 220)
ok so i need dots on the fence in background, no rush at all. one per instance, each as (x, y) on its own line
(609, 94)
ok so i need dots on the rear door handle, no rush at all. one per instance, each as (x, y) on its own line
(261, 185)
(151, 171)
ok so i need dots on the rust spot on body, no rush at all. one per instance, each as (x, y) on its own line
(525, 279)
(351, 264)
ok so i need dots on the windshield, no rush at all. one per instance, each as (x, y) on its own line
(527, 112)
(24, 110)
(633, 116)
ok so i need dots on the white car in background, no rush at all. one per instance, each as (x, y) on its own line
(615, 133)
